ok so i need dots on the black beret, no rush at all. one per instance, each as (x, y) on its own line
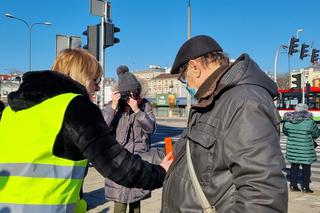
(193, 48)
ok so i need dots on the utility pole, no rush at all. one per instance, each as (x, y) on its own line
(102, 57)
(102, 9)
(302, 73)
(189, 19)
(303, 84)
(29, 26)
(188, 36)
(276, 61)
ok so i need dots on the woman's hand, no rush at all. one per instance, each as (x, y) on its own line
(166, 162)
(115, 99)
(133, 104)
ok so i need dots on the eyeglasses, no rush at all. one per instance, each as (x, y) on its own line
(182, 77)
(97, 80)
(183, 71)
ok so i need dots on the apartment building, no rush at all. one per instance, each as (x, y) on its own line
(158, 80)
(309, 75)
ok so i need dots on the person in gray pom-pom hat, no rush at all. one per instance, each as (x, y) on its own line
(127, 81)
(231, 135)
(131, 120)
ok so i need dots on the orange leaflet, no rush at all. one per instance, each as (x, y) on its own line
(168, 146)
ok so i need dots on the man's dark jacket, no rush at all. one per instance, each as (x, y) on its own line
(84, 133)
(235, 149)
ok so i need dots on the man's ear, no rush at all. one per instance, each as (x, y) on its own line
(195, 68)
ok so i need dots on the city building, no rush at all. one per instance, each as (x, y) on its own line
(9, 83)
(158, 80)
(310, 75)
(166, 83)
(108, 85)
(150, 73)
(163, 90)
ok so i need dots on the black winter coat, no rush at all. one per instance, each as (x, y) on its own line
(235, 148)
(84, 133)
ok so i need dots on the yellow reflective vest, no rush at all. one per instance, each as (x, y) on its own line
(32, 179)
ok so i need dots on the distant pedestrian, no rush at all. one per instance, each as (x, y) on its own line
(301, 130)
(230, 157)
(51, 130)
(131, 120)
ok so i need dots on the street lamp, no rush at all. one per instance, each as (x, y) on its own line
(298, 31)
(276, 60)
(302, 74)
(189, 19)
(188, 36)
(30, 26)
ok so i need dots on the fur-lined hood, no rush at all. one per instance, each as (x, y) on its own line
(243, 71)
(297, 117)
(38, 86)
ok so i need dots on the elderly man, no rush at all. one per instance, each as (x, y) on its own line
(232, 138)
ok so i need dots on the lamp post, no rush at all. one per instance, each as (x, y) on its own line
(188, 36)
(276, 60)
(29, 26)
(302, 74)
(298, 31)
(189, 19)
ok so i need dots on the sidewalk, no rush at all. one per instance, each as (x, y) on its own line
(94, 194)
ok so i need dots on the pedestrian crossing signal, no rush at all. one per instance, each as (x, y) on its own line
(296, 79)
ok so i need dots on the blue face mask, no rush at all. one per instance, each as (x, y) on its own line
(192, 91)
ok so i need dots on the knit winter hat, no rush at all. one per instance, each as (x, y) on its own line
(301, 107)
(127, 81)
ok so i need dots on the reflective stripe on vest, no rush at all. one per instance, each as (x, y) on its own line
(16, 208)
(30, 175)
(42, 170)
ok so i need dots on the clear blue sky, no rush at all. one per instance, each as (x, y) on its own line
(153, 30)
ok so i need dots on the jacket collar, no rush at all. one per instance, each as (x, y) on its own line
(206, 90)
(243, 71)
(38, 86)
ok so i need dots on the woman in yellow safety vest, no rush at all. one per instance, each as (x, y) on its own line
(49, 131)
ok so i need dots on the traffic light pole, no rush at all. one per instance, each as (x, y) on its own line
(302, 86)
(276, 61)
(103, 18)
(188, 36)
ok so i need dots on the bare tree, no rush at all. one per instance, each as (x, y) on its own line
(283, 81)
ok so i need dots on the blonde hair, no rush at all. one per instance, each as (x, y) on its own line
(79, 64)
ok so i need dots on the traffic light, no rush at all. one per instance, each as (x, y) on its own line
(308, 87)
(109, 38)
(293, 45)
(297, 81)
(314, 56)
(304, 50)
(92, 34)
